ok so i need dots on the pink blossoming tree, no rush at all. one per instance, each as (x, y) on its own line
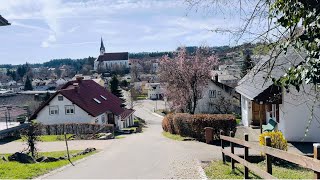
(185, 77)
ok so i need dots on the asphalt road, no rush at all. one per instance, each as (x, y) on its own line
(145, 155)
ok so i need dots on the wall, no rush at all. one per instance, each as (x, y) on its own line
(76, 128)
(204, 103)
(246, 111)
(295, 113)
(80, 116)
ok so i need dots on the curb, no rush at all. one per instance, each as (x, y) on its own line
(201, 171)
(45, 176)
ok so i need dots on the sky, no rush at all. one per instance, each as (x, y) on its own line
(41, 30)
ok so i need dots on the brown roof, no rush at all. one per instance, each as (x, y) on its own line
(126, 113)
(114, 56)
(84, 96)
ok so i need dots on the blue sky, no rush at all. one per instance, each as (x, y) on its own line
(46, 29)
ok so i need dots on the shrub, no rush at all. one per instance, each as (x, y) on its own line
(277, 140)
(188, 125)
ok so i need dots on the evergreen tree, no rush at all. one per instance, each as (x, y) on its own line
(28, 85)
(114, 87)
(247, 65)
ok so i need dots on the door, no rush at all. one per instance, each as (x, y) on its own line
(111, 119)
(258, 112)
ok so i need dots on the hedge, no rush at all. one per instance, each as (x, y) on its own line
(189, 125)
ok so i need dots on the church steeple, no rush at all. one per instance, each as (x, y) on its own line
(102, 49)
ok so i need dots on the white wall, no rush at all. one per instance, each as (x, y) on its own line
(203, 104)
(295, 114)
(154, 93)
(246, 111)
(80, 116)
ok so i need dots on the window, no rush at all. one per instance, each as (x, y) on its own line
(60, 98)
(103, 97)
(96, 120)
(212, 93)
(97, 101)
(69, 109)
(53, 110)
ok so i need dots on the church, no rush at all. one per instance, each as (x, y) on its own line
(111, 61)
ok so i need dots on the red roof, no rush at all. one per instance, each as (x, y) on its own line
(126, 113)
(90, 97)
(114, 56)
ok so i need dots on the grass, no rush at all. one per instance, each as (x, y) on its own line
(218, 170)
(173, 136)
(15, 170)
(134, 129)
(49, 138)
(119, 137)
(238, 121)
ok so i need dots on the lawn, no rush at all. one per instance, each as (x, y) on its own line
(173, 136)
(218, 170)
(49, 138)
(15, 170)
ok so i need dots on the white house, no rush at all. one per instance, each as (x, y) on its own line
(110, 61)
(218, 98)
(154, 91)
(84, 101)
(295, 112)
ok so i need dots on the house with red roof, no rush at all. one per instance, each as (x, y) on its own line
(84, 101)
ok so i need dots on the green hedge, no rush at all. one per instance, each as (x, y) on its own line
(189, 125)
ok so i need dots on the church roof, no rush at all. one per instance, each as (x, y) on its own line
(3, 21)
(118, 56)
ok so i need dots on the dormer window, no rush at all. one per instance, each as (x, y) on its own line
(103, 97)
(97, 101)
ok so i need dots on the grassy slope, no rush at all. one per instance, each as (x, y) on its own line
(15, 170)
(218, 170)
(173, 136)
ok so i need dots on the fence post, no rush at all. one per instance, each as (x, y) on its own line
(316, 155)
(246, 154)
(268, 157)
(222, 146)
(232, 151)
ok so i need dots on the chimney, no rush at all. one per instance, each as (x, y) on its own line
(76, 88)
(79, 78)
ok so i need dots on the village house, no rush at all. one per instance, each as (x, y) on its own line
(154, 91)
(262, 100)
(218, 98)
(84, 101)
(111, 61)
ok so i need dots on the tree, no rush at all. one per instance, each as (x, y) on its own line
(114, 88)
(283, 25)
(124, 83)
(28, 85)
(32, 134)
(185, 77)
(223, 105)
(247, 65)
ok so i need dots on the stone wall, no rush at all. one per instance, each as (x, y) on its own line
(77, 128)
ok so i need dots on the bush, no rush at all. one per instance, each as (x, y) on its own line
(188, 125)
(277, 140)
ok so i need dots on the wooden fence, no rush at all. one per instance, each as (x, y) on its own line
(303, 161)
